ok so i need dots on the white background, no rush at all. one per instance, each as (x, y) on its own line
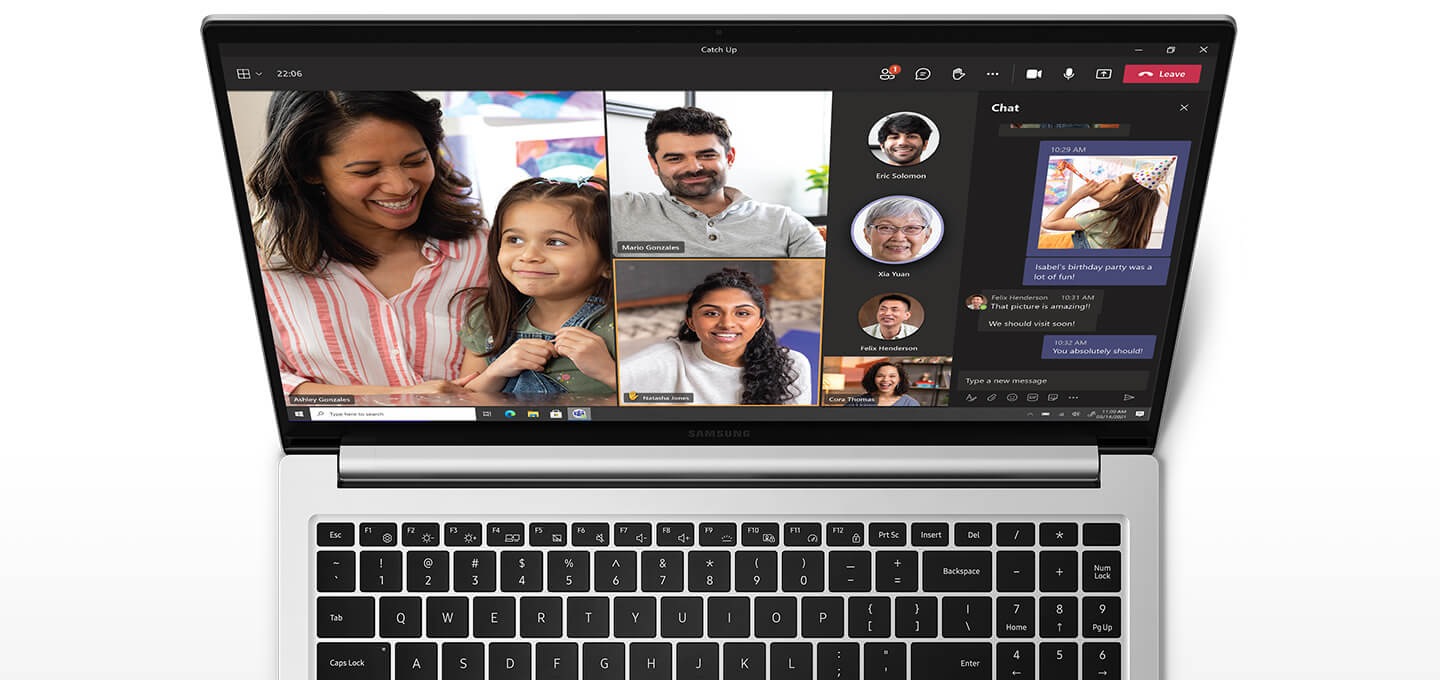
(137, 486)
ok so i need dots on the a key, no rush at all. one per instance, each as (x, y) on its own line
(542, 617)
(1101, 617)
(1015, 571)
(837, 661)
(973, 535)
(509, 661)
(887, 534)
(930, 534)
(447, 617)
(1015, 534)
(494, 617)
(335, 534)
(697, 661)
(709, 571)
(755, 534)
(603, 661)
(1059, 534)
(1058, 571)
(885, 661)
(662, 572)
(869, 617)
(917, 617)
(381, 571)
(953, 571)
(802, 534)
(951, 660)
(775, 617)
(1100, 661)
(400, 617)
(615, 571)
(723, 534)
(417, 661)
(427, 571)
(635, 617)
(464, 535)
(802, 571)
(378, 534)
(727, 617)
(1100, 571)
(897, 571)
(521, 571)
(1015, 617)
(474, 571)
(682, 617)
(633, 534)
(1059, 660)
(822, 617)
(1059, 617)
(548, 535)
(557, 661)
(755, 571)
(352, 661)
(590, 535)
(965, 617)
(744, 661)
(335, 571)
(568, 571)
(587, 617)
(845, 534)
(650, 660)
(791, 661)
(345, 617)
(849, 571)
(462, 661)
(1015, 661)
(420, 534)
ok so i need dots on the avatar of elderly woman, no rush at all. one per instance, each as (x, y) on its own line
(725, 352)
(898, 229)
(885, 384)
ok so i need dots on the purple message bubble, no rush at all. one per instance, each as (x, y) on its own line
(1149, 271)
(1098, 347)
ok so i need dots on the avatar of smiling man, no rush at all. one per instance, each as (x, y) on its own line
(903, 138)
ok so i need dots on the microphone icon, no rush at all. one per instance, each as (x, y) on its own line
(1069, 73)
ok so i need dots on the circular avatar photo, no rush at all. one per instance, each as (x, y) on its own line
(904, 139)
(897, 229)
(891, 316)
(977, 302)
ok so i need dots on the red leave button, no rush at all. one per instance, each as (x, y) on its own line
(1162, 73)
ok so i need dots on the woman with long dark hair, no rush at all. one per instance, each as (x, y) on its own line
(364, 231)
(1126, 215)
(725, 351)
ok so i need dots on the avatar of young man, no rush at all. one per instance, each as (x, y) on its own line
(890, 318)
(690, 153)
(903, 138)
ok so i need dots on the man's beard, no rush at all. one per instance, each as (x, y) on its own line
(915, 152)
(678, 187)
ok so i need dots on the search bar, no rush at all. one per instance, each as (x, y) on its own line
(415, 413)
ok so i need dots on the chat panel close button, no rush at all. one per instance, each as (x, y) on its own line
(1162, 73)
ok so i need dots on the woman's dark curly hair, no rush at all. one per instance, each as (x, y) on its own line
(293, 217)
(769, 373)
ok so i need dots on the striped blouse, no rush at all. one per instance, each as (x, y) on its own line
(340, 330)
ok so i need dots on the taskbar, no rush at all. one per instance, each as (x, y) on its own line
(701, 413)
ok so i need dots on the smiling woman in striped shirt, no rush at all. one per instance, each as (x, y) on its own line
(365, 231)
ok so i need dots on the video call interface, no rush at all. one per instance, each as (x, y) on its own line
(993, 242)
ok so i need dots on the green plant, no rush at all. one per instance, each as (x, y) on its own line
(819, 178)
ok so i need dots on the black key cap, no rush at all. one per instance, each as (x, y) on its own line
(557, 661)
(568, 571)
(885, 661)
(951, 660)
(849, 571)
(509, 661)
(588, 617)
(633, 535)
(744, 661)
(335, 571)
(548, 535)
(542, 617)
(822, 617)
(802, 533)
(462, 661)
(845, 534)
(1015, 534)
(427, 571)
(723, 534)
(615, 571)
(344, 617)
(1059, 660)
(802, 571)
(897, 571)
(791, 661)
(400, 617)
(381, 534)
(1015, 660)
(416, 661)
(1015, 617)
(447, 617)
(335, 534)
(756, 571)
(869, 617)
(1059, 534)
(1100, 571)
(1101, 616)
(662, 572)
(1059, 617)
(1058, 571)
(965, 617)
(649, 660)
(1101, 661)
(838, 661)
(755, 534)
(1015, 571)
(681, 617)
(494, 617)
(917, 617)
(352, 661)
(887, 534)
(709, 571)
(635, 617)
(1102, 534)
(474, 571)
(973, 534)
(604, 661)
(675, 534)
(590, 535)
(775, 617)
(727, 617)
(464, 535)
(504, 534)
(930, 534)
(953, 571)
(420, 534)
(697, 661)
(381, 571)
(521, 571)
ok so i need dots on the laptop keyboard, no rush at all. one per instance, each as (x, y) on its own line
(718, 600)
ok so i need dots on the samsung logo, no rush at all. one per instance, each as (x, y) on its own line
(718, 434)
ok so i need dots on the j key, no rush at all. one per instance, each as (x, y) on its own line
(557, 661)
(709, 571)
(802, 571)
(568, 571)
(548, 534)
(615, 571)
(462, 661)
(681, 617)
(1058, 571)
(951, 660)
(447, 617)
(753, 534)
(1100, 661)
(335, 571)
(345, 617)
(1059, 534)
(505, 534)
(427, 571)
(721, 534)
(521, 571)
(822, 617)
(744, 661)
(1015, 660)
(590, 535)
(464, 534)
(844, 534)
(1102, 534)
(542, 617)
(727, 617)
(494, 617)
(897, 571)
(400, 617)
(791, 661)
(887, 534)
(1100, 571)
(956, 571)
(802, 533)
(1015, 617)
(509, 661)
(474, 571)
(930, 534)
(633, 534)
(380, 571)
(1059, 617)
(1015, 571)
(635, 617)
(1015, 534)
(603, 661)
(965, 617)
(352, 661)
(838, 661)
(335, 534)
(849, 571)
(1059, 660)
(650, 660)
(973, 535)
(775, 617)
(416, 661)
(917, 617)
(420, 534)
(886, 661)
(662, 572)
(378, 534)
(869, 617)
(587, 617)
(697, 661)
(675, 534)
(1101, 616)
(756, 571)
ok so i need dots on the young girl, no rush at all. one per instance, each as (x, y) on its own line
(545, 325)
(1125, 216)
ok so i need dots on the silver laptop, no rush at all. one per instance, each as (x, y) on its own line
(623, 349)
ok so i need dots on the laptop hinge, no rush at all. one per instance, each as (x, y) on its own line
(715, 464)
(1126, 446)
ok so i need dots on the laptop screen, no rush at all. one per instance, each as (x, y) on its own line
(833, 223)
